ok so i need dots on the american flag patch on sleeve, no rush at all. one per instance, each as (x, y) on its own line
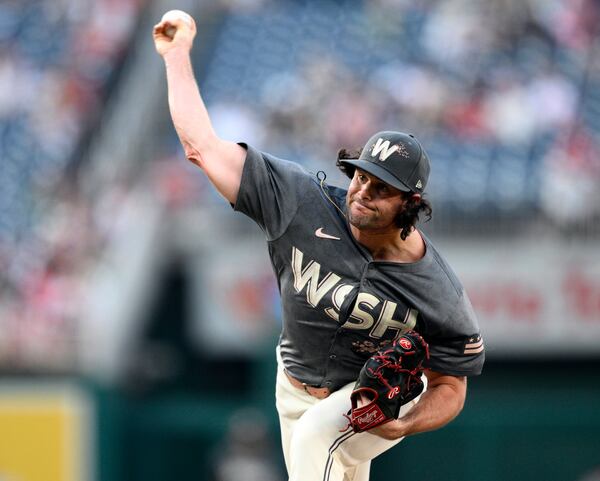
(473, 345)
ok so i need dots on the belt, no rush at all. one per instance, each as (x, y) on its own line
(318, 392)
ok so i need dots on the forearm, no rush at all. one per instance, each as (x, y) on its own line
(222, 161)
(190, 116)
(437, 406)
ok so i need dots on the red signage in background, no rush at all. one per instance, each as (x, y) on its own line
(582, 295)
(530, 296)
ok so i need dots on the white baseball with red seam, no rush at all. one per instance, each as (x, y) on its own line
(173, 16)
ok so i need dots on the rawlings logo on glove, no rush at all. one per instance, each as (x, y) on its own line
(389, 379)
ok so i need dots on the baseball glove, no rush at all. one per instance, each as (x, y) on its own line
(389, 379)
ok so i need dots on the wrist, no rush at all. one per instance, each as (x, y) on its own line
(400, 428)
(176, 56)
(391, 430)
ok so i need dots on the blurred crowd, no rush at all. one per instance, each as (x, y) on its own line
(58, 60)
(505, 95)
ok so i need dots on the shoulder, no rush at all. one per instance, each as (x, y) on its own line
(257, 159)
(444, 272)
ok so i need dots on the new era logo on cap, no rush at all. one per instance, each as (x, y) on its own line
(396, 158)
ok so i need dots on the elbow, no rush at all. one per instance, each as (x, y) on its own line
(454, 406)
(194, 157)
(454, 392)
(194, 152)
(460, 397)
(460, 406)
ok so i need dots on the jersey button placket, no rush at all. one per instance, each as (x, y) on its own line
(364, 280)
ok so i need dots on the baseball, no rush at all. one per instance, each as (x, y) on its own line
(173, 16)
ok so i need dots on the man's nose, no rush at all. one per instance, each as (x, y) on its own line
(365, 190)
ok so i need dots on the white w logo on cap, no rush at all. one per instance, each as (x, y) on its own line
(384, 147)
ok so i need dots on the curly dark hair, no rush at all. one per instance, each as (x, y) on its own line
(347, 154)
(407, 219)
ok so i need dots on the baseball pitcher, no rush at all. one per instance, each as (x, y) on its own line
(378, 334)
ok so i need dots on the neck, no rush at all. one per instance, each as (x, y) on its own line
(389, 246)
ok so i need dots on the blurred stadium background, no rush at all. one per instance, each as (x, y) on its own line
(124, 278)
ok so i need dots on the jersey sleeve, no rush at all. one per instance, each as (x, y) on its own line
(270, 191)
(458, 349)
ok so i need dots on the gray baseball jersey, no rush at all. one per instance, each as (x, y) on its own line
(340, 305)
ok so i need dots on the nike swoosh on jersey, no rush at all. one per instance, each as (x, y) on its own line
(319, 233)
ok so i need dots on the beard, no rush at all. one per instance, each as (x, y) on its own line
(361, 221)
(365, 218)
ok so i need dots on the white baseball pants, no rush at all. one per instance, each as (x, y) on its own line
(316, 446)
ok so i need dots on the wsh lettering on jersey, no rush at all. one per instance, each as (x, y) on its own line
(327, 291)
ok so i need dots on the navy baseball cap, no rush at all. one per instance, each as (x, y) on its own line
(396, 158)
